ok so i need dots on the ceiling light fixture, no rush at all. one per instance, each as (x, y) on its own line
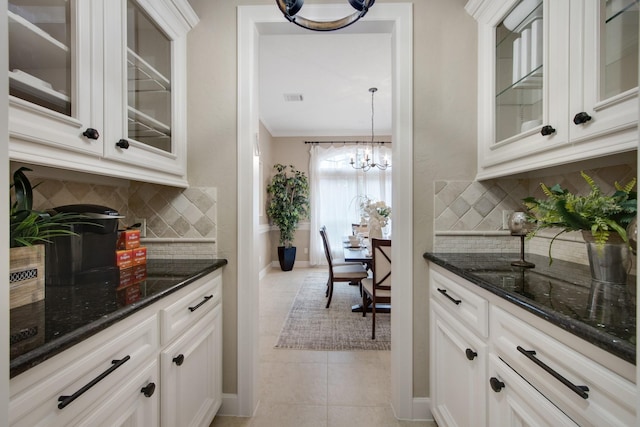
(367, 161)
(291, 7)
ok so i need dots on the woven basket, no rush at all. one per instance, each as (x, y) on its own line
(26, 275)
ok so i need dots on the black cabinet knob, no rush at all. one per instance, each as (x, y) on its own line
(547, 130)
(471, 354)
(179, 359)
(123, 143)
(148, 390)
(91, 133)
(581, 118)
(496, 384)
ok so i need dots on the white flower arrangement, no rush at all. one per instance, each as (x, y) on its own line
(376, 210)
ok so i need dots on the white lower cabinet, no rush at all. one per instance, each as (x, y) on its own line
(134, 404)
(512, 373)
(125, 376)
(191, 371)
(514, 402)
(458, 363)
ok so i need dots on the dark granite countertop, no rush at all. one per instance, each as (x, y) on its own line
(563, 294)
(69, 314)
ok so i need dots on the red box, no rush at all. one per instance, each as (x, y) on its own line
(139, 255)
(129, 239)
(128, 294)
(124, 258)
(126, 278)
(139, 273)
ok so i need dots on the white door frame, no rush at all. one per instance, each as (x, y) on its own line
(395, 19)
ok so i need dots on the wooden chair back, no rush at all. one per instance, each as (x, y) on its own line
(381, 254)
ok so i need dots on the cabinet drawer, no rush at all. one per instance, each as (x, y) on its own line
(187, 310)
(96, 366)
(561, 373)
(463, 304)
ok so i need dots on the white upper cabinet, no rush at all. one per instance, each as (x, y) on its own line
(557, 82)
(146, 111)
(99, 86)
(52, 52)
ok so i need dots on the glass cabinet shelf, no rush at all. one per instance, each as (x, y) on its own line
(142, 77)
(147, 130)
(519, 70)
(619, 59)
(39, 60)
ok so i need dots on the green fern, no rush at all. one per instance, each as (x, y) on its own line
(599, 214)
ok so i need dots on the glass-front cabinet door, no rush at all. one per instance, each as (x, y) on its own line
(605, 98)
(146, 87)
(51, 49)
(148, 81)
(519, 97)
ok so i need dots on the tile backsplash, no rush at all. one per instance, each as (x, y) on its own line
(181, 223)
(468, 214)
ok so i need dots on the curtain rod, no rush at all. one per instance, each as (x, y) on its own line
(347, 142)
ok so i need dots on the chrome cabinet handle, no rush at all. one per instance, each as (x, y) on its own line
(65, 400)
(580, 390)
(453, 300)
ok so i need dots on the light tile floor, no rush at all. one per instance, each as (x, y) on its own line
(314, 388)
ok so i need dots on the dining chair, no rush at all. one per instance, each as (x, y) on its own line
(377, 289)
(344, 272)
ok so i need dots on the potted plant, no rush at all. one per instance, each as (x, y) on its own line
(29, 229)
(601, 218)
(288, 203)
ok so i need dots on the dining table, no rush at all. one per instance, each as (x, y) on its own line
(362, 255)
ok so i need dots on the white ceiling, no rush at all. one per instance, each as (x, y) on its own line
(333, 72)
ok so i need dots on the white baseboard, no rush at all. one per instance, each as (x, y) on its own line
(422, 409)
(229, 405)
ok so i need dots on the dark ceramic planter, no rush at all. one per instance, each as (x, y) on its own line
(287, 257)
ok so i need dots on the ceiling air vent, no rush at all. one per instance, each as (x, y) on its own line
(292, 97)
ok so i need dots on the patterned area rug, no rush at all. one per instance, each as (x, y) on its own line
(310, 326)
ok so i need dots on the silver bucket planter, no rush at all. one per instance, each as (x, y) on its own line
(611, 262)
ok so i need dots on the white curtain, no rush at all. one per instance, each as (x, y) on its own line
(336, 192)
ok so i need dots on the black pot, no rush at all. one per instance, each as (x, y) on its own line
(287, 257)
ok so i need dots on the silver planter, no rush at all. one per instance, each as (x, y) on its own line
(611, 262)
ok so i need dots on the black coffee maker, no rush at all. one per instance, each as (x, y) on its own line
(89, 254)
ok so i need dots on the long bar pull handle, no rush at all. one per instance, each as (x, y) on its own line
(195, 307)
(66, 400)
(580, 390)
(453, 300)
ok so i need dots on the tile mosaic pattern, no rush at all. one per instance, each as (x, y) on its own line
(474, 205)
(477, 206)
(175, 212)
(171, 213)
(51, 193)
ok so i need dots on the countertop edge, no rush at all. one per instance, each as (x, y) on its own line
(621, 349)
(46, 351)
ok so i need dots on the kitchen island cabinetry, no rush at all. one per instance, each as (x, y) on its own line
(546, 96)
(529, 370)
(108, 97)
(121, 375)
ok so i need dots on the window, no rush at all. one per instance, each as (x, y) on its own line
(336, 192)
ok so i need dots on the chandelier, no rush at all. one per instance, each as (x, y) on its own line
(367, 159)
(291, 7)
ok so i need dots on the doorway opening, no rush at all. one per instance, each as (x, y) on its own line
(395, 19)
